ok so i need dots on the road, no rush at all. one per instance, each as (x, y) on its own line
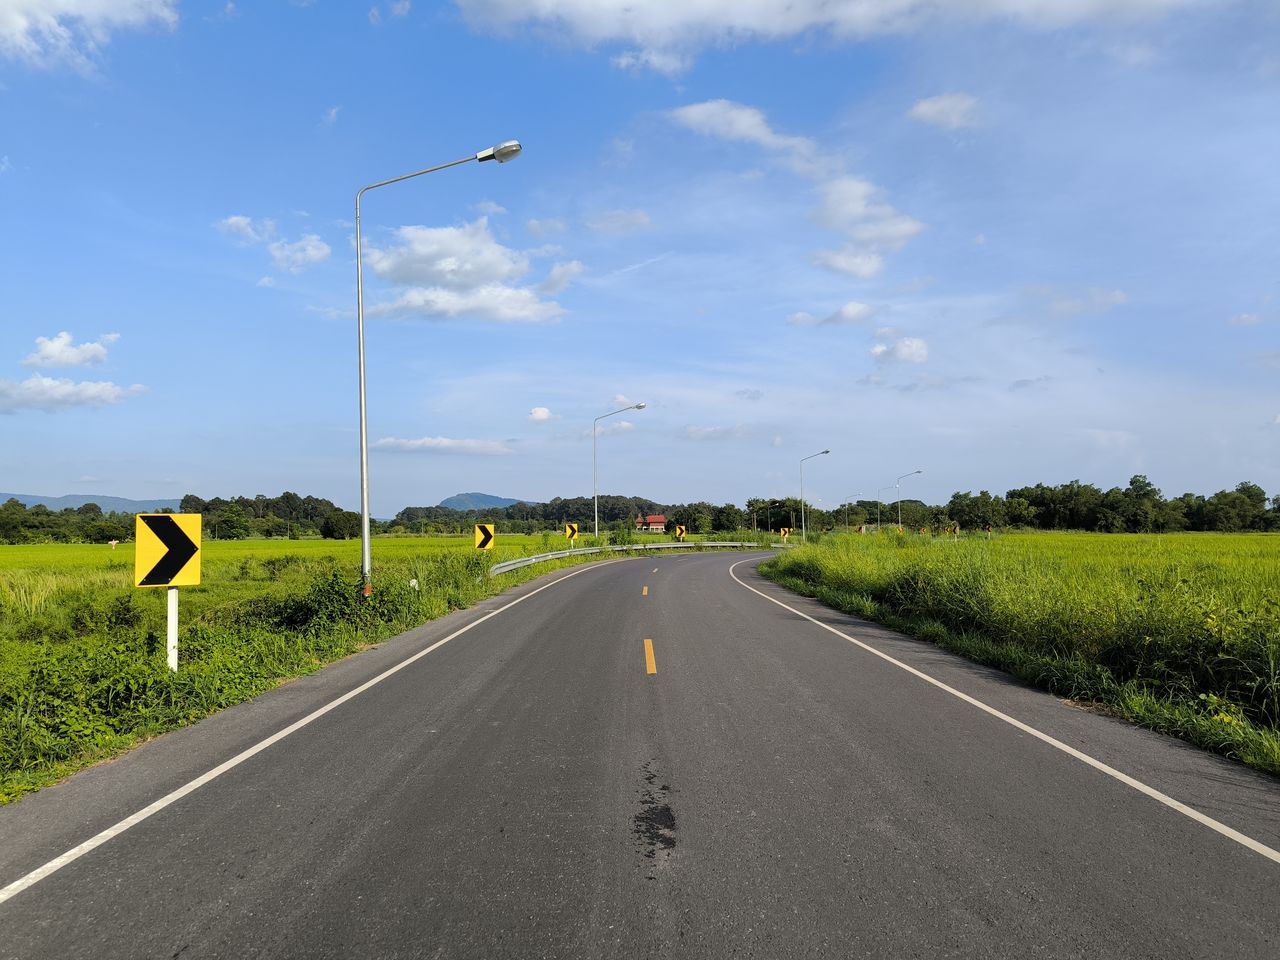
(530, 788)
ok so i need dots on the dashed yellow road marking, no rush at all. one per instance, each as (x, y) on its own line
(644, 592)
(650, 665)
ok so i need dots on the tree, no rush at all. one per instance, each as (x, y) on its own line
(230, 523)
(340, 525)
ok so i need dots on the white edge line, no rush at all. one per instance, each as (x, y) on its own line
(1152, 792)
(76, 852)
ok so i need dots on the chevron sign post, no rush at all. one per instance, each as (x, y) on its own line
(167, 554)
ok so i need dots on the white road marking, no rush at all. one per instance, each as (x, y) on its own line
(655, 569)
(1201, 818)
(75, 853)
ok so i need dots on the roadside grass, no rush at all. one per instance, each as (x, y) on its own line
(83, 672)
(1176, 632)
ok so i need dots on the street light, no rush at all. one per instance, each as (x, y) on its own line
(804, 535)
(595, 482)
(898, 484)
(507, 150)
(846, 510)
(880, 490)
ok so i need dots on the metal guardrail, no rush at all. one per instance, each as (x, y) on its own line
(510, 565)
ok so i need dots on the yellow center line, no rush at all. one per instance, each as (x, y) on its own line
(644, 592)
(650, 665)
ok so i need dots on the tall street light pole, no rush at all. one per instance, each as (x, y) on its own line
(507, 150)
(595, 482)
(804, 534)
(879, 491)
(846, 510)
(898, 484)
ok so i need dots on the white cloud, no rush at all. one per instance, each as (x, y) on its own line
(266, 282)
(443, 445)
(736, 432)
(399, 8)
(247, 229)
(545, 228)
(375, 16)
(50, 395)
(61, 351)
(490, 208)
(849, 204)
(666, 32)
(294, 257)
(331, 115)
(48, 32)
(542, 415)
(88, 478)
(749, 393)
(666, 62)
(561, 276)
(618, 222)
(1246, 320)
(457, 271)
(458, 258)
(855, 206)
(851, 312)
(622, 400)
(851, 260)
(903, 350)
(5, 165)
(490, 302)
(739, 123)
(613, 426)
(952, 111)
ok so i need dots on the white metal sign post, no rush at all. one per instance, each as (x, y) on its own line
(167, 554)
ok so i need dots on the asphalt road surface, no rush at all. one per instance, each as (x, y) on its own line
(648, 758)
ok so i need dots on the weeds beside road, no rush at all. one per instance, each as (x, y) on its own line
(1177, 632)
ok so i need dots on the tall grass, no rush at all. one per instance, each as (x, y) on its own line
(1179, 632)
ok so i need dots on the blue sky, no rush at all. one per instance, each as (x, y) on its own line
(1003, 242)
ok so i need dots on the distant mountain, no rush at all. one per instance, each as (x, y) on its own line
(108, 504)
(477, 501)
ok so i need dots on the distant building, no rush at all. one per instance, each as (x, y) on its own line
(655, 524)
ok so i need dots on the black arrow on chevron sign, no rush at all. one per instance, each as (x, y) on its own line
(181, 549)
(486, 534)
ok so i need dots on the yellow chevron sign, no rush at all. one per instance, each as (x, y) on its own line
(679, 533)
(484, 536)
(571, 531)
(167, 550)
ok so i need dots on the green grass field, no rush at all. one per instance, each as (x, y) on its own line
(83, 672)
(1180, 632)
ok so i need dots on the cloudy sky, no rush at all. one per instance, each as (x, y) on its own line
(1001, 241)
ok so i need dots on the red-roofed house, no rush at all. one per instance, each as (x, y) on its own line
(655, 524)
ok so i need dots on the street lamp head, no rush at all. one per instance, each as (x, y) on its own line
(507, 150)
(641, 405)
(824, 451)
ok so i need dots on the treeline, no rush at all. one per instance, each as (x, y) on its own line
(87, 524)
(288, 515)
(1139, 507)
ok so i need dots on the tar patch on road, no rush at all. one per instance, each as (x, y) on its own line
(655, 825)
